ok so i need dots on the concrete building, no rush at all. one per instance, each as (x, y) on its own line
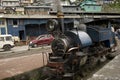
(108, 1)
(26, 2)
(105, 1)
(19, 10)
(90, 6)
(10, 3)
(35, 10)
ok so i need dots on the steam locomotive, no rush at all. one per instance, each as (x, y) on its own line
(84, 44)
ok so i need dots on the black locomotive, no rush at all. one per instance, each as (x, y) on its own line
(82, 45)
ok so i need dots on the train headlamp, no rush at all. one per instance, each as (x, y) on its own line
(52, 25)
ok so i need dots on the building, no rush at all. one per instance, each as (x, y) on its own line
(108, 1)
(19, 10)
(90, 6)
(10, 3)
(10, 6)
(105, 1)
(41, 10)
(26, 2)
(29, 27)
(26, 27)
(68, 8)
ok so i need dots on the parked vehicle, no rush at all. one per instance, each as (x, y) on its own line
(6, 42)
(41, 40)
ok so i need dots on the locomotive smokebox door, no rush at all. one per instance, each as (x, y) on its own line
(52, 25)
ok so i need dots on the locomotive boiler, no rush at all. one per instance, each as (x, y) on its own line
(82, 45)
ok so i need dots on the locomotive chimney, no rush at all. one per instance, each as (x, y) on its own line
(60, 13)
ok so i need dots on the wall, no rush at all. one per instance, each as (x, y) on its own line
(21, 27)
(3, 26)
(92, 8)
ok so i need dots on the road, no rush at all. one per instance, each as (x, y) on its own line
(20, 60)
(16, 49)
(22, 50)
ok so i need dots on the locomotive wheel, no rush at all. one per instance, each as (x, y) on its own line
(83, 60)
(92, 61)
(102, 59)
(111, 56)
(113, 52)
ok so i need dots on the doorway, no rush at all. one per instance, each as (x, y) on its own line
(21, 34)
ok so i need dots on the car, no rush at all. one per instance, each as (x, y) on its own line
(6, 42)
(41, 40)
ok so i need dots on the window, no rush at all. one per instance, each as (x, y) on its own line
(6, 3)
(42, 37)
(88, 6)
(8, 38)
(15, 22)
(3, 30)
(1, 38)
(11, 3)
(94, 7)
(21, 22)
(10, 22)
(2, 22)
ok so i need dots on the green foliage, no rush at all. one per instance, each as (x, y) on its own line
(115, 5)
(112, 7)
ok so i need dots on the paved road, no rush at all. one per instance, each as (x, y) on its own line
(22, 48)
(111, 71)
(17, 65)
(16, 49)
(29, 60)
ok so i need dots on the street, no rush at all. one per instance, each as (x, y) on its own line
(16, 49)
(22, 51)
(20, 60)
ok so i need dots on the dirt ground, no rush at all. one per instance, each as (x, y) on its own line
(12, 64)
